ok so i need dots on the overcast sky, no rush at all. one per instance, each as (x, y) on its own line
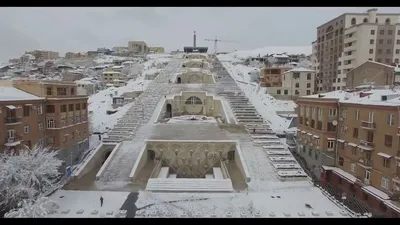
(83, 29)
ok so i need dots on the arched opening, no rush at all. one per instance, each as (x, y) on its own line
(169, 111)
(151, 155)
(376, 20)
(193, 101)
(231, 155)
(179, 80)
(353, 21)
(365, 20)
(387, 21)
(106, 156)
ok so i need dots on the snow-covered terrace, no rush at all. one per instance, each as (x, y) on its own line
(13, 94)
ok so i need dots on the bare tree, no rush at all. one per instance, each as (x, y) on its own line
(29, 208)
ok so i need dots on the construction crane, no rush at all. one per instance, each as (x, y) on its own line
(216, 41)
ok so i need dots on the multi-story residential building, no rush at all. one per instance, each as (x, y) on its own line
(139, 47)
(22, 119)
(156, 49)
(272, 76)
(349, 40)
(370, 73)
(116, 78)
(65, 120)
(295, 82)
(359, 132)
(76, 55)
(44, 55)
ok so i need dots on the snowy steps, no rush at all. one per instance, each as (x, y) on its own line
(192, 185)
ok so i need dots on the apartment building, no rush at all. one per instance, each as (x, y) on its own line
(65, 115)
(113, 77)
(272, 76)
(295, 82)
(362, 138)
(349, 40)
(44, 55)
(370, 73)
(21, 119)
(76, 55)
(138, 47)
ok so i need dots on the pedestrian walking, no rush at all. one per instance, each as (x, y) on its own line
(254, 130)
(99, 137)
(101, 201)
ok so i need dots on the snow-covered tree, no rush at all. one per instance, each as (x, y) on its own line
(134, 69)
(27, 173)
(29, 208)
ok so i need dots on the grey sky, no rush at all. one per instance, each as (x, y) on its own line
(83, 29)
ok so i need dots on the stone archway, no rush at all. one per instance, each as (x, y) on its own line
(179, 80)
(169, 111)
(151, 155)
(106, 156)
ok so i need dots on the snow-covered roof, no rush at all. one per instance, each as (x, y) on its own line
(280, 56)
(14, 94)
(117, 67)
(300, 69)
(87, 82)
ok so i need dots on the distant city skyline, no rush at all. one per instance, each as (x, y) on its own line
(82, 29)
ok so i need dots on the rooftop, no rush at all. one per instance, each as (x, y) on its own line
(300, 69)
(14, 94)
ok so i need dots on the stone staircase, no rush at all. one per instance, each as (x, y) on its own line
(144, 106)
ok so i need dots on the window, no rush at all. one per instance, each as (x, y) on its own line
(355, 132)
(385, 182)
(367, 175)
(371, 51)
(84, 106)
(50, 140)
(320, 111)
(397, 51)
(332, 112)
(388, 140)
(371, 117)
(308, 76)
(61, 91)
(390, 32)
(353, 167)
(341, 161)
(278, 92)
(51, 123)
(344, 113)
(313, 110)
(39, 109)
(308, 85)
(297, 85)
(50, 109)
(371, 41)
(380, 42)
(26, 129)
(285, 92)
(331, 144)
(26, 111)
(370, 136)
(389, 41)
(386, 162)
(48, 91)
(388, 51)
(357, 115)
(372, 32)
(72, 91)
(317, 141)
(296, 75)
(63, 108)
(40, 126)
(71, 107)
(343, 129)
(353, 150)
(308, 92)
(194, 101)
(381, 32)
(319, 125)
(398, 32)
(390, 119)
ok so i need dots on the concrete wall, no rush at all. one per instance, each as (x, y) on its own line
(96, 157)
(224, 171)
(195, 77)
(240, 163)
(109, 159)
(139, 164)
(313, 163)
(156, 170)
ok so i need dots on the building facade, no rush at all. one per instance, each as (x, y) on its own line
(370, 73)
(138, 47)
(349, 40)
(63, 115)
(362, 140)
(44, 55)
(272, 76)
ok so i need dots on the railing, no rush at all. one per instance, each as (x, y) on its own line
(12, 120)
(10, 140)
(366, 143)
(368, 125)
(365, 161)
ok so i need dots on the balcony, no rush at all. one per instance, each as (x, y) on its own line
(12, 141)
(12, 121)
(366, 143)
(368, 125)
(398, 131)
(364, 162)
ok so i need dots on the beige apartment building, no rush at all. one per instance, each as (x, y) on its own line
(295, 82)
(360, 132)
(116, 78)
(44, 55)
(76, 55)
(349, 40)
(272, 76)
(138, 47)
(52, 114)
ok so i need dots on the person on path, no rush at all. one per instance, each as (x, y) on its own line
(254, 130)
(101, 201)
(99, 137)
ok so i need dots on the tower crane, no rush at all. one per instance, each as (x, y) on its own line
(216, 41)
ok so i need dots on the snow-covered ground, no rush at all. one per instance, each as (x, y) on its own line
(195, 119)
(265, 104)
